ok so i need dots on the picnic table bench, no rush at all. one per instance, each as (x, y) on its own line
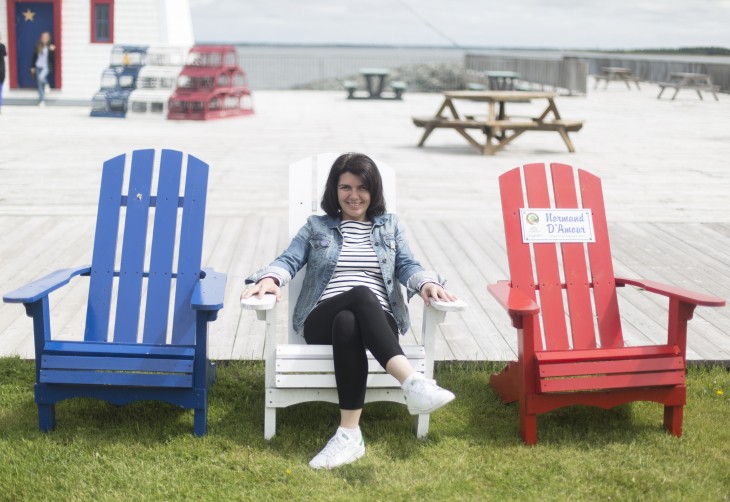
(498, 128)
(697, 81)
(611, 73)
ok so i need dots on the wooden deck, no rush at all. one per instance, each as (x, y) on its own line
(665, 180)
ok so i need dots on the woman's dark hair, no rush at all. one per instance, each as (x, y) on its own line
(360, 165)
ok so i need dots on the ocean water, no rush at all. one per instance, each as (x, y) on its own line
(285, 67)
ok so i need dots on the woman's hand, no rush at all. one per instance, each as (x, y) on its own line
(432, 290)
(265, 285)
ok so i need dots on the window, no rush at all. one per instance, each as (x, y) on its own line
(102, 21)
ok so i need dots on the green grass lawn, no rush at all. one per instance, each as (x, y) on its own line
(146, 451)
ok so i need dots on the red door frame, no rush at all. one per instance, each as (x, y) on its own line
(57, 40)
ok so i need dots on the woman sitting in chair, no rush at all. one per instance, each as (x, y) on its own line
(349, 297)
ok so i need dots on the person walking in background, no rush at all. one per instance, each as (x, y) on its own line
(3, 53)
(43, 59)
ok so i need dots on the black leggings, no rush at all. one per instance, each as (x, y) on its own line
(352, 322)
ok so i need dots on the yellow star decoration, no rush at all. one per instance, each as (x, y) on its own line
(28, 15)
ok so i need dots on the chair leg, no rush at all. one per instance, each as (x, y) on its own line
(528, 426)
(422, 422)
(46, 417)
(212, 373)
(507, 384)
(673, 419)
(200, 422)
(269, 423)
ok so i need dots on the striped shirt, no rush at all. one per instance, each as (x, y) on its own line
(358, 264)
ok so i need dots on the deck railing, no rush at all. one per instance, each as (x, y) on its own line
(564, 75)
(658, 68)
(268, 70)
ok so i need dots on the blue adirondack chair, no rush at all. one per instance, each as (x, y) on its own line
(115, 364)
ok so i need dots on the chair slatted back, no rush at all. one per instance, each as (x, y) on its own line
(589, 284)
(307, 179)
(139, 202)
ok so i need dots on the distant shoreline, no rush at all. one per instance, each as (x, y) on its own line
(688, 51)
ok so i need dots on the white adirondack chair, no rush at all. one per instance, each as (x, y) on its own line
(297, 372)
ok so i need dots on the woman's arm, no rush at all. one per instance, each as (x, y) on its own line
(291, 261)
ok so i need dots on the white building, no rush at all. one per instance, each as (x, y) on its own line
(84, 32)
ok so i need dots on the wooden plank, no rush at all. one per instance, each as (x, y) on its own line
(105, 248)
(443, 351)
(613, 381)
(118, 349)
(133, 247)
(518, 253)
(245, 324)
(116, 379)
(317, 352)
(707, 339)
(686, 254)
(468, 283)
(327, 365)
(460, 341)
(489, 259)
(190, 250)
(574, 264)
(546, 265)
(117, 364)
(579, 355)
(599, 256)
(307, 381)
(163, 248)
(675, 363)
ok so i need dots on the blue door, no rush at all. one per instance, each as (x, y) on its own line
(31, 19)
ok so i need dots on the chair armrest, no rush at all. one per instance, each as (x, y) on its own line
(673, 292)
(209, 291)
(40, 288)
(513, 300)
(268, 302)
(455, 306)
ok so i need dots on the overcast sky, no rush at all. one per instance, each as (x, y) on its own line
(589, 24)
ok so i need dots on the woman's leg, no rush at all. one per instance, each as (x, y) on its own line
(42, 78)
(332, 322)
(357, 322)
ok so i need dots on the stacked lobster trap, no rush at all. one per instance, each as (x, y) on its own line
(118, 81)
(156, 81)
(211, 85)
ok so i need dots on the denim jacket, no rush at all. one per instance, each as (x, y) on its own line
(318, 245)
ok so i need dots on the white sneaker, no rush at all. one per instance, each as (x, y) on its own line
(343, 448)
(423, 396)
(41, 104)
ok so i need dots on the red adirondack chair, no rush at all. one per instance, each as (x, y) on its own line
(566, 364)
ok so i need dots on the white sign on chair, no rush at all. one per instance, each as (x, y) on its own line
(556, 225)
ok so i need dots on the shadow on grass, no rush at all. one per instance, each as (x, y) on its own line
(488, 421)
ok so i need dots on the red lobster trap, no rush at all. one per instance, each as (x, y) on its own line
(211, 85)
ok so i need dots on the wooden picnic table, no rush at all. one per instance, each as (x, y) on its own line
(498, 128)
(697, 81)
(610, 73)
